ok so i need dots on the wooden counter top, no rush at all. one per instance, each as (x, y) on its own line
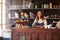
(35, 29)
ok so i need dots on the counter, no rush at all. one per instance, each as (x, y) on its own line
(35, 34)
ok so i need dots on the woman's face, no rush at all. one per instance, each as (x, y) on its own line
(39, 14)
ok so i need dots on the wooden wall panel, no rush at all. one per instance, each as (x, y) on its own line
(35, 34)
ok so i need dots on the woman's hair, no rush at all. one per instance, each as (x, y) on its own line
(42, 17)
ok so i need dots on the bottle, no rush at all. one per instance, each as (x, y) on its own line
(42, 5)
(16, 15)
(50, 4)
(31, 15)
(25, 15)
(21, 15)
(9, 15)
(31, 5)
(36, 5)
(45, 6)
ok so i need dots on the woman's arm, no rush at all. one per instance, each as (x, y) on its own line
(58, 24)
(34, 23)
(45, 24)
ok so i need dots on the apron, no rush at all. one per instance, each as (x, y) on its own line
(40, 23)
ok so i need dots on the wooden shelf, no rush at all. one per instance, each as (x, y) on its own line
(21, 18)
(36, 9)
(53, 18)
(30, 18)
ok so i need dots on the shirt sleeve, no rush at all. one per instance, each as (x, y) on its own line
(58, 24)
(45, 24)
(34, 23)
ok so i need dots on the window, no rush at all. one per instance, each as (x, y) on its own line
(2, 14)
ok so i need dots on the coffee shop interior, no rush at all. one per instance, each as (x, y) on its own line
(29, 19)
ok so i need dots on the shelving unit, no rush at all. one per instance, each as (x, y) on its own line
(54, 18)
(36, 9)
(49, 7)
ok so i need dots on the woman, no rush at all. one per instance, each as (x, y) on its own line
(40, 20)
